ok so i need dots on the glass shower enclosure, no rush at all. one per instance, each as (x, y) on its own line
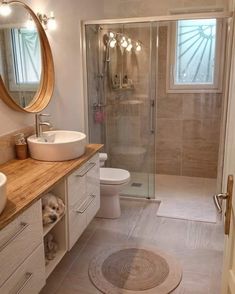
(121, 99)
(155, 97)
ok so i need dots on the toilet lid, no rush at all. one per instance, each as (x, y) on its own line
(113, 176)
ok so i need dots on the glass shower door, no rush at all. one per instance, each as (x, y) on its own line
(127, 98)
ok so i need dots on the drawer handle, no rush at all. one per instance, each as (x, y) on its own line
(89, 167)
(90, 200)
(23, 226)
(28, 277)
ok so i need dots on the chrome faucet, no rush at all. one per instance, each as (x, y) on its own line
(39, 123)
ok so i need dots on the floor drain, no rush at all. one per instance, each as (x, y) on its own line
(136, 185)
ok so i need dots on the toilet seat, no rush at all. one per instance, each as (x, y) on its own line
(113, 176)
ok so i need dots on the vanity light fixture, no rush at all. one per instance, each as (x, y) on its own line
(124, 42)
(112, 43)
(5, 8)
(48, 22)
(111, 35)
(138, 46)
(114, 39)
(129, 47)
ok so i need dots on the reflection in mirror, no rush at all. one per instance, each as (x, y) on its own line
(20, 56)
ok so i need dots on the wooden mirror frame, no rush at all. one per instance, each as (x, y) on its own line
(44, 93)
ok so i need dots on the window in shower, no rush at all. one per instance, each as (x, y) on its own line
(195, 48)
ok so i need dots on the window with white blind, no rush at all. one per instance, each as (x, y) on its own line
(26, 58)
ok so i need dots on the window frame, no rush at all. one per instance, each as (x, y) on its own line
(216, 87)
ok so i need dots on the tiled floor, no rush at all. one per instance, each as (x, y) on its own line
(187, 198)
(197, 245)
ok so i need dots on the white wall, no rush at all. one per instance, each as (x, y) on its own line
(138, 8)
(66, 107)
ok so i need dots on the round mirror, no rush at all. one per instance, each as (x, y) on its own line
(26, 65)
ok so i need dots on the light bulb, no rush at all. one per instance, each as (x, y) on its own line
(124, 43)
(112, 43)
(138, 46)
(111, 35)
(51, 23)
(5, 9)
(129, 47)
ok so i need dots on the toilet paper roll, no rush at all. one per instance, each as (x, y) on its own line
(103, 156)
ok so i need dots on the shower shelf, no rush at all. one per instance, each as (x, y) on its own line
(131, 102)
(124, 89)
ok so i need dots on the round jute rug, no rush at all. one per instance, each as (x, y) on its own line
(130, 270)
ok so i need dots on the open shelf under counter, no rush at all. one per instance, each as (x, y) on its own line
(54, 262)
(47, 228)
(59, 233)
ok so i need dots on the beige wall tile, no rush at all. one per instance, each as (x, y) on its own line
(168, 157)
(199, 158)
(169, 107)
(169, 129)
(194, 168)
(166, 150)
(203, 105)
(200, 150)
(206, 129)
(168, 167)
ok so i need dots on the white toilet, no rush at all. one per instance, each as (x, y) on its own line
(112, 181)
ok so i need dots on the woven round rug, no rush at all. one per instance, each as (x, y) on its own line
(132, 270)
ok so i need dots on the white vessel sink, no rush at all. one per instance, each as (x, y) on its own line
(3, 191)
(57, 145)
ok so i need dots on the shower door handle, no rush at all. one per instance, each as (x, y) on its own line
(228, 195)
(152, 124)
(218, 200)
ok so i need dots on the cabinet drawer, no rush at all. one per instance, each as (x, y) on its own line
(93, 208)
(80, 217)
(83, 197)
(76, 188)
(77, 224)
(29, 278)
(19, 239)
(93, 177)
(82, 181)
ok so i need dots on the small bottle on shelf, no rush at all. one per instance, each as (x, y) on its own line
(125, 81)
(116, 82)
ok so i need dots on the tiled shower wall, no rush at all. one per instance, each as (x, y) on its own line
(188, 127)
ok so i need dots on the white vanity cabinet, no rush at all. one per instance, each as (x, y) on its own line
(23, 268)
(29, 278)
(21, 253)
(83, 198)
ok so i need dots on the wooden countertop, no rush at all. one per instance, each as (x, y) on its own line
(28, 179)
